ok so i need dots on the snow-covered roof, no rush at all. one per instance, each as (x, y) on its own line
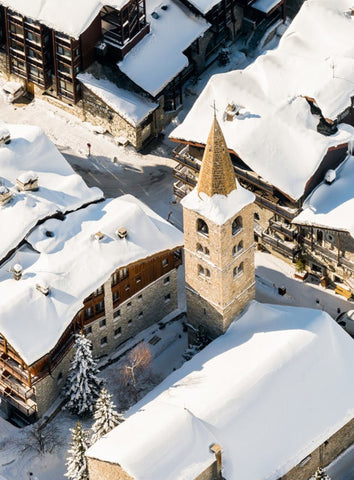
(158, 58)
(131, 106)
(204, 6)
(275, 133)
(268, 385)
(72, 263)
(71, 18)
(218, 208)
(60, 188)
(332, 205)
(265, 6)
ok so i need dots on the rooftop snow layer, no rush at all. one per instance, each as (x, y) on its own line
(265, 6)
(332, 206)
(73, 264)
(218, 208)
(275, 133)
(60, 188)
(129, 105)
(159, 57)
(70, 17)
(268, 385)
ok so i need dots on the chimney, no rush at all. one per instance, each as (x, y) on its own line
(5, 195)
(330, 176)
(5, 137)
(17, 271)
(97, 236)
(217, 450)
(27, 182)
(43, 288)
(122, 232)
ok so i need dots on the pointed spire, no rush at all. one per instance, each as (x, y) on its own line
(217, 174)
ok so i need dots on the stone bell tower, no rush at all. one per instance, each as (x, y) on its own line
(219, 242)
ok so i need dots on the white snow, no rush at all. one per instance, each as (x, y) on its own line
(266, 388)
(159, 57)
(332, 206)
(72, 18)
(265, 6)
(276, 136)
(218, 208)
(129, 105)
(60, 189)
(73, 264)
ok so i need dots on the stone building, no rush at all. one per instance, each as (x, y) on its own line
(218, 242)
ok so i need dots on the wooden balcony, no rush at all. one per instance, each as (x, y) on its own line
(287, 230)
(329, 255)
(182, 173)
(181, 154)
(28, 407)
(8, 364)
(287, 213)
(7, 381)
(284, 248)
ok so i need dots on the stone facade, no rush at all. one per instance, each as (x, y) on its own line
(216, 296)
(99, 470)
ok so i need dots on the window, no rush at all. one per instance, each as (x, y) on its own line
(114, 278)
(140, 297)
(88, 312)
(130, 322)
(88, 330)
(103, 341)
(167, 298)
(99, 307)
(166, 280)
(165, 262)
(200, 270)
(199, 248)
(207, 251)
(115, 297)
(256, 216)
(141, 314)
(59, 378)
(123, 273)
(99, 291)
(129, 304)
(202, 227)
(138, 279)
(116, 314)
(118, 332)
(238, 270)
(237, 248)
(102, 323)
(236, 225)
(127, 287)
(207, 272)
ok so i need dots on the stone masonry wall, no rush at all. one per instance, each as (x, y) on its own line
(99, 470)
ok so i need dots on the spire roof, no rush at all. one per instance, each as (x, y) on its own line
(217, 176)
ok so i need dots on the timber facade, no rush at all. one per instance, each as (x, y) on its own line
(133, 298)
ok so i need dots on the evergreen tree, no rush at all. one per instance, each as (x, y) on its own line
(76, 462)
(106, 417)
(83, 386)
(321, 474)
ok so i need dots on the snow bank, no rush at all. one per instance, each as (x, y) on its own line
(129, 105)
(276, 134)
(60, 188)
(332, 206)
(218, 208)
(269, 385)
(72, 263)
(159, 57)
(71, 17)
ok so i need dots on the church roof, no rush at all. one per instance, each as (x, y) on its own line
(217, 176)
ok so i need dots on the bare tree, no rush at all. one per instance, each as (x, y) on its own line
(40, 438)
(138, 361)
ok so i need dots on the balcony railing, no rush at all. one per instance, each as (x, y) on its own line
(279, 245)
(329, 254)
(22, 391)
(289, 214)
(288, 231)
(12, 367)
(28, 407)
(181, 173)
(181, 154)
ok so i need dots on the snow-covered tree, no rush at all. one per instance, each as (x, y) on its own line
(76, 462)
(83, 386)
(106, 417)
(321, 474)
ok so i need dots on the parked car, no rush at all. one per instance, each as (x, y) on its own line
(13, 91)
(346, 320)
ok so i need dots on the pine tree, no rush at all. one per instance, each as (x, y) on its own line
(106, 417)
(83, 386)
(321, 474)
(76, 462)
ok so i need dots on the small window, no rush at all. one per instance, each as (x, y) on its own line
(256, 216)
(238, 270)
(167, 298)
(130, 322)
(138, 279)
(102, 323)
(60, 378)
(200, 270)
(207, 272)
(116, 314)
(123, 273)
(99, 307)
(237, 225)
(202, 227)
(115, 297)
(103, 341)
(129, 304)
(114, 278)
(199, 248)
(118, 332)
(207, 251)
(140, 297)
(240, 246)
(88, 330)
(99, 291)
(88, 312)
(166, 280)
(141, 314)
(127, 287)
(165, 262)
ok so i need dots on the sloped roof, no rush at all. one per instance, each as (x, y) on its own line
(279, 382)
(73, 264)
(275, 133)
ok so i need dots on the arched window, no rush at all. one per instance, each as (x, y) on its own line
(240, 246)
(256, 216)
(238, 270)
(236, 225)
(202, 227)
(207, 272)
(206, 251)
(200, 270)
(199, 248)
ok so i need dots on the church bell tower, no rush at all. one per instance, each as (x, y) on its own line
(218, 218)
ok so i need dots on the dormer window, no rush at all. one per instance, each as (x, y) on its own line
(236, 225)
(202, 227)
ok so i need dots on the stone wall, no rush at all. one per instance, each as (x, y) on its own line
(99, 470)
